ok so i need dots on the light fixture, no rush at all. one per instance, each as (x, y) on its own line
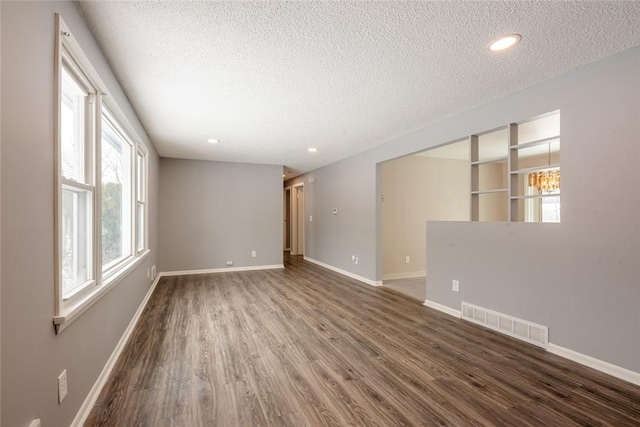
(504, 42)
(283, 175)
(546, 181)
(313, 150)
(212, 141)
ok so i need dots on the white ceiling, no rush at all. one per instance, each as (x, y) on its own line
(270, 79)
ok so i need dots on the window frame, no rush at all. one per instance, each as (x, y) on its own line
(70, 57)
(141, 191)
(114, 266)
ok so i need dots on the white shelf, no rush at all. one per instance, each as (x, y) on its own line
(488, 161)
(497, 190)
(535, 169)
(535, 143)
(535, 196)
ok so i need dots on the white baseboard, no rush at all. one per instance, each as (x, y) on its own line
(597, 364)
(221, 270)
(443, 308)
(407, 275)
(583, 359)
(344, 272)
(91, 398)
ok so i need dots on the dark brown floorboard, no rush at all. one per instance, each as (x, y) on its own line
(305, 346)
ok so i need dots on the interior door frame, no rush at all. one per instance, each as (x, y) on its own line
(287, 224)
(295, 250)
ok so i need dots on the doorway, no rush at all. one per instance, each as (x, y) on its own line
(297, 220)
(429, 186)
(286, 243)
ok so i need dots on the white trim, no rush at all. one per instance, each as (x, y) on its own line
(407, 275)
(293, 219)
(221, 270)
(70, 56)
(63, 320)
(443, 308)
(91, 398)
(583, 359)
(344, 272)
(597, 364)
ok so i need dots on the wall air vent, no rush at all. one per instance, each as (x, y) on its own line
(508, 325)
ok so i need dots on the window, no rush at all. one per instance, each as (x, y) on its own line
(101, 205)
(77, 102)
(116, 195)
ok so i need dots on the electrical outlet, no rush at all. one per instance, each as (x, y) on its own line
(62, 386)
(229, 263)
(310, 218)
(35, 423)
(153, 272)
(455, 285)
(356, 259)
(253, 254)
(407, 259)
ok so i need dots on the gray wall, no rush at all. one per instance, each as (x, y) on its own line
(349, 186)
(0, 221)
(32, 355)
(591, 258)
(213, 212)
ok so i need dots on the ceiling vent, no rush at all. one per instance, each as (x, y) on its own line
(508, 325)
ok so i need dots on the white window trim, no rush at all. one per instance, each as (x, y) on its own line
(143, 199)
(113, 267)
(70, 308)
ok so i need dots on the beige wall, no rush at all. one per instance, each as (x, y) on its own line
(417, 189)
(493, 206)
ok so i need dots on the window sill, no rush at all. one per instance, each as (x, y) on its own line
(71, 313)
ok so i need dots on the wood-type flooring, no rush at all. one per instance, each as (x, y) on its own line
(304, 346)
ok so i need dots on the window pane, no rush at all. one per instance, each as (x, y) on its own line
(141, 224)
(116, 195)
(551, 209)
(72, 128)
(76, 232)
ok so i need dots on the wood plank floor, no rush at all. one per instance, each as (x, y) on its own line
(305, 346)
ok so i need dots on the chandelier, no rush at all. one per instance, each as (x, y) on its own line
(545, 181)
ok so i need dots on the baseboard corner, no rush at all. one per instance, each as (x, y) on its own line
(442, 308)
(370, 282)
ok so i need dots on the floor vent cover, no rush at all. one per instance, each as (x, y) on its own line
(508, 325)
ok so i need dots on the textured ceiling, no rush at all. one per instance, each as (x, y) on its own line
(270, 79)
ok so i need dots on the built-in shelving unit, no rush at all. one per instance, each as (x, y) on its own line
(488, 182)
(538, 152)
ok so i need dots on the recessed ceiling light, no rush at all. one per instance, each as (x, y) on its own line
(212, 141)
(283, 175)
(313, 149)
(504, 42)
